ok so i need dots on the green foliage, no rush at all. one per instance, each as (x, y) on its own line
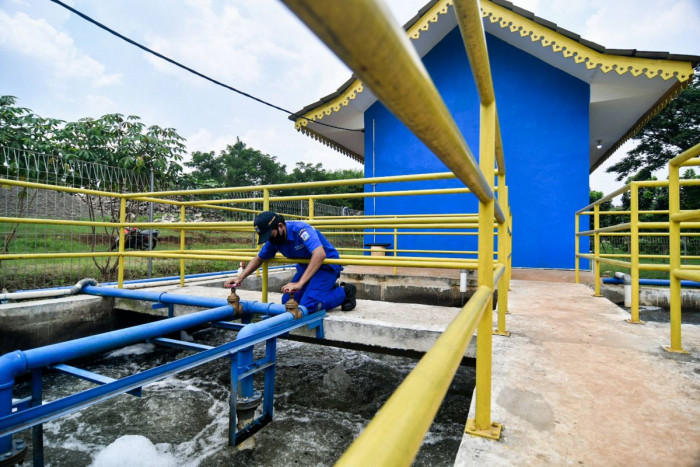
(672, 131)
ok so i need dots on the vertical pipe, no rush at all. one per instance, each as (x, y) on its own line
(486, 215)
(396, 238)
(634, 252)
(233, 403)
(674, 250)
(374, 185)
(269, 391)
(122, 239)
(510, 246)
(596, 250)
(577, 247)
(182, 247)
(150, 232)
(502, 255)
(311, 209)
(265, 269)
(37, 430)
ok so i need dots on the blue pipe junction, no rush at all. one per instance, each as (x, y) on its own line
(656, 282)
(276, 321)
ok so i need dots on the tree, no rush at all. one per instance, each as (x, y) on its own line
(675, 129)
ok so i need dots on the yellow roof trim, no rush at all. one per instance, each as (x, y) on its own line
(581, 54)
(516, 24)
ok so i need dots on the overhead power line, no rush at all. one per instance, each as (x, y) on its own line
(191, 70)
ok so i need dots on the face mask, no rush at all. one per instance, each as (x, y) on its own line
(279, 238)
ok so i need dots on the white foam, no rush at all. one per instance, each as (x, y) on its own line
(134, 451)
(137, 349)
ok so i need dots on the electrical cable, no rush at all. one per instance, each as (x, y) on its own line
(195, 72)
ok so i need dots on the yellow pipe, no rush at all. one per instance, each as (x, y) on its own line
(396, 240)
(502, 259)
(612, 195)
(624, 264)
(26, 220)
(297, 185)
(674, 249)
(577, 248)
(122, 221)
(634, 257)
(596, 249)
(65, 189)
(684, 156)
(311, 209)
(182, 247)
(686, 216)
(686, 274)
(396, 432)
(265, 267)
(482, 421)
(396, 75)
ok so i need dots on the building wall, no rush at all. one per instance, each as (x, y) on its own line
(543, 115)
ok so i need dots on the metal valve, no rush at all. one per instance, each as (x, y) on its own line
(292, 306)
(235, 301)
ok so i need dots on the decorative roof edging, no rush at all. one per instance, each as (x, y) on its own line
(330, 143)
(515, 23)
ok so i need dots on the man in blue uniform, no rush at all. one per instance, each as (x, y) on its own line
(314, 284)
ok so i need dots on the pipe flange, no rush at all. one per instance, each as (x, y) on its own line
(16, 455)
(249, 403)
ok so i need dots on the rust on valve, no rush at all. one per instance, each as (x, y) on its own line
(235, 301)
(292, 306)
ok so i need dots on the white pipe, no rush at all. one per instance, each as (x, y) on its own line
(48, 293)
(627, 281)
(463, 280)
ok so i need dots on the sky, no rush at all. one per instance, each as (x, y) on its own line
(60, 66)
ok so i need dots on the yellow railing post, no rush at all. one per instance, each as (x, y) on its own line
(396, 238)
(577, 247)
(265, 267)
(634, 253)
(596, 250)
(482, 425)
(182, 247)
(311, 209)
(122, 239)
(674, 250)
(502, 258)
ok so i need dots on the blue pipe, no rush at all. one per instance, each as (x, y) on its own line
(161, 279)
(249, 306)
(657, 282)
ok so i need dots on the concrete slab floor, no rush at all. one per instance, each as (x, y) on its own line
(575, 384)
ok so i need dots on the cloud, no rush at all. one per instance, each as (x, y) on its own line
(39, 41)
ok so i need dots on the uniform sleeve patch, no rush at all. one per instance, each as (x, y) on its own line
(304, 234)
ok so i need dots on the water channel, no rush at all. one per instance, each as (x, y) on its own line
(324, 396)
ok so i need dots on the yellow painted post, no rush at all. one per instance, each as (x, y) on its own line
(311, 209)
(510, 247)
(577, 248)
(396, 238)
(674, 250)
(502, 257)
(182, 247)
(265, 268)
(596, 250)
(634, 253)
(122, 239)
(481, 425)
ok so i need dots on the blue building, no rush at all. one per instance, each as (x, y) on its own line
(564, 105)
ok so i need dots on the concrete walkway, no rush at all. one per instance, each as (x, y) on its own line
(575, 384)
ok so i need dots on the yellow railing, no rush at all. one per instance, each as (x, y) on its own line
(394, 73)
(636, 229)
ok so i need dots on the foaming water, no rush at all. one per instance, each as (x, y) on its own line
(324, 397)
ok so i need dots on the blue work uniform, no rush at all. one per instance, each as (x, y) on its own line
(321, 292)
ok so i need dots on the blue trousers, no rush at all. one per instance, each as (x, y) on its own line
(320, 293)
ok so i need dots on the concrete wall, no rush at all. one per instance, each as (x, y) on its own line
(544, 124)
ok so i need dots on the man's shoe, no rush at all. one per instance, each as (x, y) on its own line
(350, 301)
